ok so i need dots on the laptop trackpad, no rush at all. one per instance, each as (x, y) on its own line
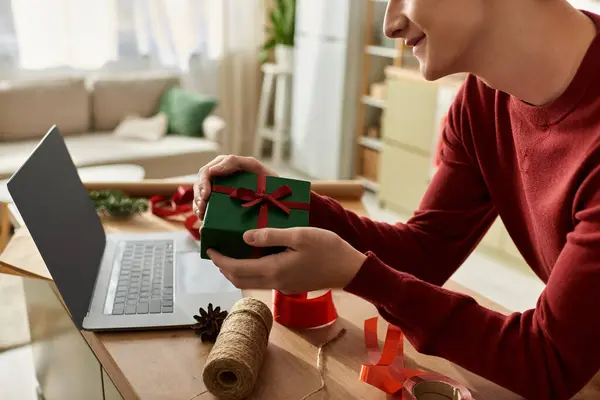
(196, 275)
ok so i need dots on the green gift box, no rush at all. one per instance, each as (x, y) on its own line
(245, 201)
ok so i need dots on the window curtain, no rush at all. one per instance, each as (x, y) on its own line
(90, 34)
(213, 43)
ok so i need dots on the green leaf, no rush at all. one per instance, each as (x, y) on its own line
(283, 22)
(116, 203)
(278, 26)
(263, 56)
(282, 5)
(269, 44)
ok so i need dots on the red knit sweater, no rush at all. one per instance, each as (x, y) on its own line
(538, 168)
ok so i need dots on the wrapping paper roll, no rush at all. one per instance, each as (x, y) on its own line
(340, 190)
(233, 365)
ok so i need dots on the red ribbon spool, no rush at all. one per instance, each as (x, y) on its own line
(300, 312)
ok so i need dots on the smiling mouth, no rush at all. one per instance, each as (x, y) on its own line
(415, 41)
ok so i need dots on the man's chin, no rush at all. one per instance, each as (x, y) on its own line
(430, 72)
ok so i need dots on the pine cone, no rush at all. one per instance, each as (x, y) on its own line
(209, 323)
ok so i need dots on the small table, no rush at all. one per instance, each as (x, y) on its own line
(102, 173)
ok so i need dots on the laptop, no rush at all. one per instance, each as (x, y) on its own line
(110, 281)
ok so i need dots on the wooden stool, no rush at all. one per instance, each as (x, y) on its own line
(279, 132)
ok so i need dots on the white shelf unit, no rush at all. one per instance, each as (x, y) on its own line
(370, 101)
(382, 51)
(370, 142)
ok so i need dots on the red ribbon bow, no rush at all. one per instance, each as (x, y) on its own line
(261, 198)
(253, 198)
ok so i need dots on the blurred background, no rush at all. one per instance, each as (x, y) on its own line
(157, 88)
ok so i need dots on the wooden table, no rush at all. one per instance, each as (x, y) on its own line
(168, 364)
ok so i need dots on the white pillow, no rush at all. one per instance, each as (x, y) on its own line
(147, 129)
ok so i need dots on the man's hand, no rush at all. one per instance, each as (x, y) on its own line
(222, 166)
(315, 259)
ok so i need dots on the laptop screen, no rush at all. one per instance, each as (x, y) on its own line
(62, 221)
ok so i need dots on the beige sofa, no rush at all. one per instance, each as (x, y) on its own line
(87, 110)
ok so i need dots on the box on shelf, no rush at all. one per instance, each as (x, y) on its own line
(378, 90)
(369, 163)
(374, 132)
(246, 201)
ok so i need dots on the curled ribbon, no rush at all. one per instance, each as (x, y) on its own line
(386, 369)
(179, 204)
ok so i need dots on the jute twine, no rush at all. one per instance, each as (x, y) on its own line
(321, 364)
(235, 360)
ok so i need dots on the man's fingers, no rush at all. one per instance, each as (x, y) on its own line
(269, 237)
(202, 187)
(260, 268)
(231, 164)
(204, 178)
(221, 166)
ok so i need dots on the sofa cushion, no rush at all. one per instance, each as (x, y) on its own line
(116, 97)
(186, 110)
(170, 156)
(137, 128)
(29, 108)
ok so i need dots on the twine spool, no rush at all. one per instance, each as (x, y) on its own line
(235, 360)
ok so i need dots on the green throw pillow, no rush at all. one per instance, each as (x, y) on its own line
(186, 111)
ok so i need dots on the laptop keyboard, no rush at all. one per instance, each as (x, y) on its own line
(145, 283)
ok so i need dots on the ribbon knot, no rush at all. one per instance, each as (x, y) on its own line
(260, 197)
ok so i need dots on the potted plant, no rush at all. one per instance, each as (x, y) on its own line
(280, 34)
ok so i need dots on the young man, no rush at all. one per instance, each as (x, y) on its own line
(522, 141)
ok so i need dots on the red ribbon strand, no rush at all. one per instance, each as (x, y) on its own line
(179, 204)
(386, 370)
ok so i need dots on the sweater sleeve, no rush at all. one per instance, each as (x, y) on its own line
(549, 352)
(454, 214)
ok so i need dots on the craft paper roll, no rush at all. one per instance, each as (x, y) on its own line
(346, 190)
(235, 360)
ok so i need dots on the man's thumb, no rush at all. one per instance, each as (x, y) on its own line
(270, 237)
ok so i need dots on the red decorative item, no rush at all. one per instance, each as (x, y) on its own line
(386, 369)
(178, 205)
(300, 312)
(261, 198)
